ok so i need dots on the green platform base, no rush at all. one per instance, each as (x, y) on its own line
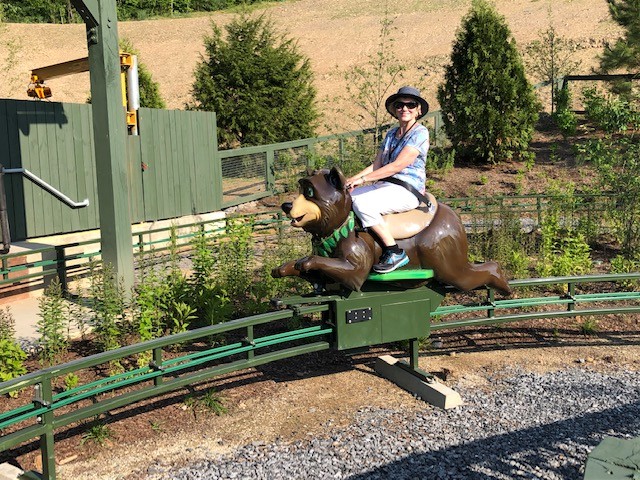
(615, 459)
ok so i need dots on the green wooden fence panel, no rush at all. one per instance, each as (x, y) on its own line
(136, 201)
(178, 150)
(54, 142)
(172, 165)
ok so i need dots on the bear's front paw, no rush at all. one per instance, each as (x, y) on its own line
(304, 264)
(276, 272)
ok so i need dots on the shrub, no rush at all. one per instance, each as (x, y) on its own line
(257, 82)
(489, 108)
(109, 305)
(617, 165)
(625, 52)
(12, 356)
(563, 246)
(7, 324)
(610, 113)
(565, 118)
(440, 160)
(620, 264)
(11, 360)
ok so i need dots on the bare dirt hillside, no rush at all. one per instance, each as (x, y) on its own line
(334, 34)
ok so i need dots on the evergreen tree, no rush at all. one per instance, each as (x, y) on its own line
(489, 108)
(625, 52)
(258, 84)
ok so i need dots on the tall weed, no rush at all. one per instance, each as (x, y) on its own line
(52, 327)
(563, 248)
(108, 306)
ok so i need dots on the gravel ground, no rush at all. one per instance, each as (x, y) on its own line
(519, 425)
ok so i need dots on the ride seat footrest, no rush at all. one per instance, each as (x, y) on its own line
(422, 274)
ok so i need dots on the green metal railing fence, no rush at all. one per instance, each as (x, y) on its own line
(158, 377)
(251, 173)
(510, 310)
(49, 411)
(70, 260)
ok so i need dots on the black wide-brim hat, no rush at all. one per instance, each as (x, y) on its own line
(407, 92)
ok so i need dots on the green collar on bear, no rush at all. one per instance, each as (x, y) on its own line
(327, 245)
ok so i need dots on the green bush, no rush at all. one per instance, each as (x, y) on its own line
(488, 106)
(617, 163)
(610, 113)
(257, 82)
(12, 356)
(621, 264)
(11, 360)
(563, 248)
(440, 160)
(109, 307)
(565, 118)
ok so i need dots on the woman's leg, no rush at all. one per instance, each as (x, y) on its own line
(373, 201)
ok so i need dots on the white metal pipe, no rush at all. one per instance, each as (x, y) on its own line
(133, 89)
(54, 191)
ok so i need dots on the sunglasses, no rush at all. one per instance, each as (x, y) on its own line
(409, 105)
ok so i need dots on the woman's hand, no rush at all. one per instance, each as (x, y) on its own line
(353, 182)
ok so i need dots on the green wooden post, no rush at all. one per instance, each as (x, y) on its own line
(61, 267)
(100, 17)
(44, 396)
(270, 171)
(157, 361)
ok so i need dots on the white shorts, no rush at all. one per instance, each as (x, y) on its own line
(372, 201)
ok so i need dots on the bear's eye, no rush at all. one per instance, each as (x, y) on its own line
(308, 191)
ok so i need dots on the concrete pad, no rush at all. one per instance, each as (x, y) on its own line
(25, 313)
(10, 472)
(427, 388)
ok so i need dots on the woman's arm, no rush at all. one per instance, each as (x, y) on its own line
(358, 178)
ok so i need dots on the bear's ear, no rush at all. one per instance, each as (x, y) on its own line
(336, 178)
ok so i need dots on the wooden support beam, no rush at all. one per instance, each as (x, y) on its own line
(412, 380)
(43, 74)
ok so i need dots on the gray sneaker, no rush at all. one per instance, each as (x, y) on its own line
(390, 261)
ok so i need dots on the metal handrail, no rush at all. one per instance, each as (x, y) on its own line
(49, 188)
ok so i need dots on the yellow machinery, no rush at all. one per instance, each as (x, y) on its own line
(128, 76)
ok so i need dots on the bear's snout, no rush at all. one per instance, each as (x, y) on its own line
(286, 207)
